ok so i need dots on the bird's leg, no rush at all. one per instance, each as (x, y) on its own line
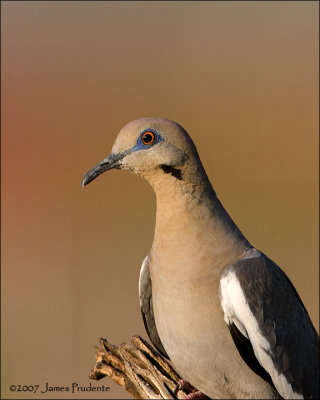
(187, 387)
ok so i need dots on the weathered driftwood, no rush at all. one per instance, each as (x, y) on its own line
(139, 369)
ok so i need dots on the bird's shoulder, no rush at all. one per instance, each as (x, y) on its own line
(265, 287)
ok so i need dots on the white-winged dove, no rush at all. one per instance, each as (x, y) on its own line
(227, 316)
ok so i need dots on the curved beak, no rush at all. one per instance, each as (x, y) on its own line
(110, 162)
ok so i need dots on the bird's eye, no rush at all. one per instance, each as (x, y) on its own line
(148, 138)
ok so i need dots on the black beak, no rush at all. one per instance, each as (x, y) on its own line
(112, 161)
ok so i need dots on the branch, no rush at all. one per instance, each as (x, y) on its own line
(138, 368)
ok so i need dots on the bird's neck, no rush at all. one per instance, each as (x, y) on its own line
(190, 217)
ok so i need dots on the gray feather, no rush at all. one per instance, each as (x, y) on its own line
(285, 324)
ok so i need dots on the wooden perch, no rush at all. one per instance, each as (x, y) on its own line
(139, 369)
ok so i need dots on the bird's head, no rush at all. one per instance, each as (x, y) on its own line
(151, 147)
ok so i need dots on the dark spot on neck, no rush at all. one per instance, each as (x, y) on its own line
(173, 171)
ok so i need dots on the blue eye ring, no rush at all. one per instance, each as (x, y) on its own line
(148, 137)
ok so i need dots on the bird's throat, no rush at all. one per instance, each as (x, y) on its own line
(189, 219)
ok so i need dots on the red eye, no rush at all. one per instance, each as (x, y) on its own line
(148, 138)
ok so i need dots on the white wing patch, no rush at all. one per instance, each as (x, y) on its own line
(236, 310)
(143, 266)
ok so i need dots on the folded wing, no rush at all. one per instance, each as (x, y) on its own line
(270, 326)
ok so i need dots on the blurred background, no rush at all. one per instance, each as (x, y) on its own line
(240, 77)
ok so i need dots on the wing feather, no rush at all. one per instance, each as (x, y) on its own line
(146, 306)
(259, 299)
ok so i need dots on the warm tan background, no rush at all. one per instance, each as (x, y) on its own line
(241, 77)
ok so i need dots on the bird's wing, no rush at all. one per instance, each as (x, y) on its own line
(270, 326)
(145, 297)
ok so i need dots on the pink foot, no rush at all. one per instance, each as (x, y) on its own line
(194, 394)
(183, 385)
(197, 395)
